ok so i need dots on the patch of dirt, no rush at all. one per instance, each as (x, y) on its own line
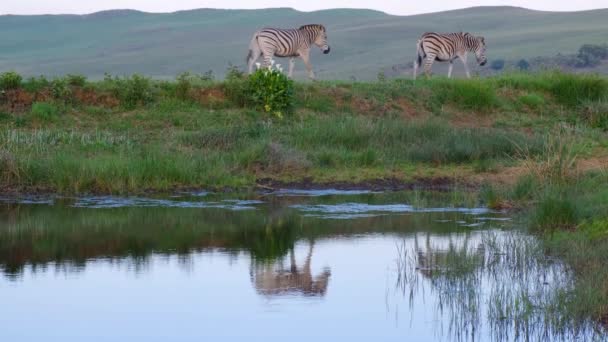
(594, 163)
(94, 98)
(468, 120)
(384, 184)
(16, 101)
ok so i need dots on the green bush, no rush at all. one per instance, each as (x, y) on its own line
(523, 65)
(61, 90)
(131, 91)
(498, 64)
(76, 80)
(36, 84)
(271, 91)
(45, 111)
(10, 80)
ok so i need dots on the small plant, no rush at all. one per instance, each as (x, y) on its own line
(184, 86)
(234, 73)
(270, 90)
(10, 80)
(381, 76)
(207, 76)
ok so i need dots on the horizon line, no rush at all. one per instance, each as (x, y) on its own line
(294, 9)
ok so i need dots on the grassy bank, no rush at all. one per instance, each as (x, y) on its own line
(568, 210)
(133, 134)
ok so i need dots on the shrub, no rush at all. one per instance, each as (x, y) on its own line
(10, 80)
(61, 90)
(36, 84)
(76, 80)
(131, 91)
(523, 64)
(498, 64)
(271, 91)
(184, 86)
(45, 111)
(234, 86)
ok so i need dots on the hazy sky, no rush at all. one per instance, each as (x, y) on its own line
(403, 7)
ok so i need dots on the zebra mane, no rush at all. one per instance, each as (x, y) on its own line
(313, 27)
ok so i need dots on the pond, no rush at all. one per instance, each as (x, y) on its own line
(295, 265)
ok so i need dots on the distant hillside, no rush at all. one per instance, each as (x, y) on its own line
(363, 41)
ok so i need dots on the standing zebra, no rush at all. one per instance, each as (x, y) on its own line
(446, 48)
(291, 43)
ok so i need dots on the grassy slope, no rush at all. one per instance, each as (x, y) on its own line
(363, 41)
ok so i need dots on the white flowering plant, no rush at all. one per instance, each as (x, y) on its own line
(270, 90)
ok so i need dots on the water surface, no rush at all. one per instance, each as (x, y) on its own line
(291, 265)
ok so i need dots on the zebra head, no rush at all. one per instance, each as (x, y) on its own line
(318, 33)
(480, 51)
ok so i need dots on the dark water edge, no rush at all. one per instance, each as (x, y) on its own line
(404, 265)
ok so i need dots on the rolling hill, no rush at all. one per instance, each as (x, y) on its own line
(363, 41)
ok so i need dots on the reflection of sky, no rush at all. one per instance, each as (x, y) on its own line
(211, 295)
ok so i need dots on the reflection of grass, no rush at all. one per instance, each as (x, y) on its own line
(503, 280)
(568, 209)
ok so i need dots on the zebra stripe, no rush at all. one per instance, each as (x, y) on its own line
(292, 43)
(446, 47)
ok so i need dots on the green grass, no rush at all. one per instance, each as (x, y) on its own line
(222, 37)
(131, 134)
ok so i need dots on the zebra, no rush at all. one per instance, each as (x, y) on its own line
(447, 47)
(292, 43)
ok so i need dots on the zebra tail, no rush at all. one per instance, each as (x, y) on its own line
(254, 40)
(419, 52)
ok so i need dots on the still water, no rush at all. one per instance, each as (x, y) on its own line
(292, 265)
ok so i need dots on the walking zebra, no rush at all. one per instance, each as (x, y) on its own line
(291, 43)
(447, 47)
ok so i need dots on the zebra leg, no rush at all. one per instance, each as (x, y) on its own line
(306, 60)
(466, 67)
(255, 54)
(450, 69)
(292, 64)
(428, 63)
(267, 60)
(415, 72)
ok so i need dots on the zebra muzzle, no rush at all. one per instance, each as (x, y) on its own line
(327, 51)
